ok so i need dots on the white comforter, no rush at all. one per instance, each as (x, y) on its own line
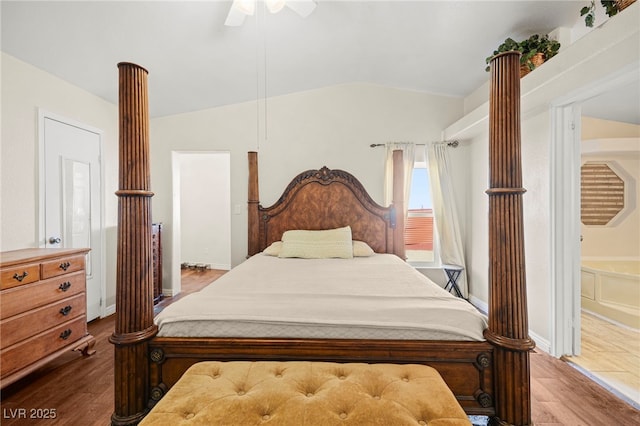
(377, 297)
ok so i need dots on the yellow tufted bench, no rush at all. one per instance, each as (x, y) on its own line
(242, 393)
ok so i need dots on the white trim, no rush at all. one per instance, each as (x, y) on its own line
(41, 237)
(481, 305)
(541, 344)
(610, 259)
(175, 282)
(109, 310)
(565, 208)
(168, 292)
(564, 255)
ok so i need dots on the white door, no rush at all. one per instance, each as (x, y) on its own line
(71, 208)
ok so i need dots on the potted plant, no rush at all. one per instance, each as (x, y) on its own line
(611, 7)
(535, 50)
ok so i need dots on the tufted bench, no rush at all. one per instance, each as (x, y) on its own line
(241, 393)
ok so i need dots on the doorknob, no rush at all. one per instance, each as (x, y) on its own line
(54, 240)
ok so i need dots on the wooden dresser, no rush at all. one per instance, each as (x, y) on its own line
(156, 250)
(42, 309)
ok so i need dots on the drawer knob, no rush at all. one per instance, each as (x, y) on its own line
(65, 334)
(65, 286)
(65, 265)
(20, 277)
(65, 311)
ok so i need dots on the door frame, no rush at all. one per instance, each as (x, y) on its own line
(41, 235)
(565, 151)
(176, 229)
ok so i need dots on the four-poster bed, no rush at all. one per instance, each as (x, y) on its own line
(488, 377)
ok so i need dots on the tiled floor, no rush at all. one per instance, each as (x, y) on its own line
(611, 354)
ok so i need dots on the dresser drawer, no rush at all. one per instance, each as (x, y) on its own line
(26, 297)
(20, 327)
(61, 266)
(31, 350)
(19, 275)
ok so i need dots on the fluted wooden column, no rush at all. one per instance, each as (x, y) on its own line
(508, 324)
(253, 204)
(134, 280)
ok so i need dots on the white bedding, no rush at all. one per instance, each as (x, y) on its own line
(377, 297)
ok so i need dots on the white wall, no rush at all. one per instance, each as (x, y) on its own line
(24, 90)
(590, 61)
(616, 143)
(205, 210)
(333, 126)
(330, 127)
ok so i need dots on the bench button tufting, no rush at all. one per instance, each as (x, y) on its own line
(309, 394)
(189, 416)
(266, 417)
(422, 422)
(241, 393)
(343, 415)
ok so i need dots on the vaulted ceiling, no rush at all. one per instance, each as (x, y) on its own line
(196, 62)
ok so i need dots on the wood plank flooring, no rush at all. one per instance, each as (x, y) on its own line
(611, 353)
(81, 390)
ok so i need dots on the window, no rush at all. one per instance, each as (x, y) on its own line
(419, 230)
(601, 194)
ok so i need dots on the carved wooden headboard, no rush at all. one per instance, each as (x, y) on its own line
(323, 199)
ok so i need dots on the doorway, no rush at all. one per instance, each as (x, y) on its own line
(70, 197)
(610, 252)
(201, 232)
(597, 346)
(565, 252)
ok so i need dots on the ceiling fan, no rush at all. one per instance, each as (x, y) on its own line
(240, 9)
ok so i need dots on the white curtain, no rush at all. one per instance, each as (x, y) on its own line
(444, 210)
(408, 157)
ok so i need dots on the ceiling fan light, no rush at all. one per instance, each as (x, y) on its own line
(275, 6)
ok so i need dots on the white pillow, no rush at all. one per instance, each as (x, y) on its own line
(361, 249)
(324, 244)
(273, 249)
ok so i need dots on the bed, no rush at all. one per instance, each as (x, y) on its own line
(489, 375)
(367, 296)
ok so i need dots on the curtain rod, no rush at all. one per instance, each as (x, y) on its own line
(452, 144)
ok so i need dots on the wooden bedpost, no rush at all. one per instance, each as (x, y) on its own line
(134, 294)
(508, 323)
(398, 203)
(253, 204)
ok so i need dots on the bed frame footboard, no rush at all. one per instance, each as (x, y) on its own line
(466, 367)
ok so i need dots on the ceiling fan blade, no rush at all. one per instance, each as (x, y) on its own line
(302, 7)
(238, 11)
(235, 18)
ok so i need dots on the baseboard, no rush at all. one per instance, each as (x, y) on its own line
(479, 304)
(541, 344)
(109, 310)
(219, 266)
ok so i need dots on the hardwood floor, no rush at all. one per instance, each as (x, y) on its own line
(611, 353)
(80, 390)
